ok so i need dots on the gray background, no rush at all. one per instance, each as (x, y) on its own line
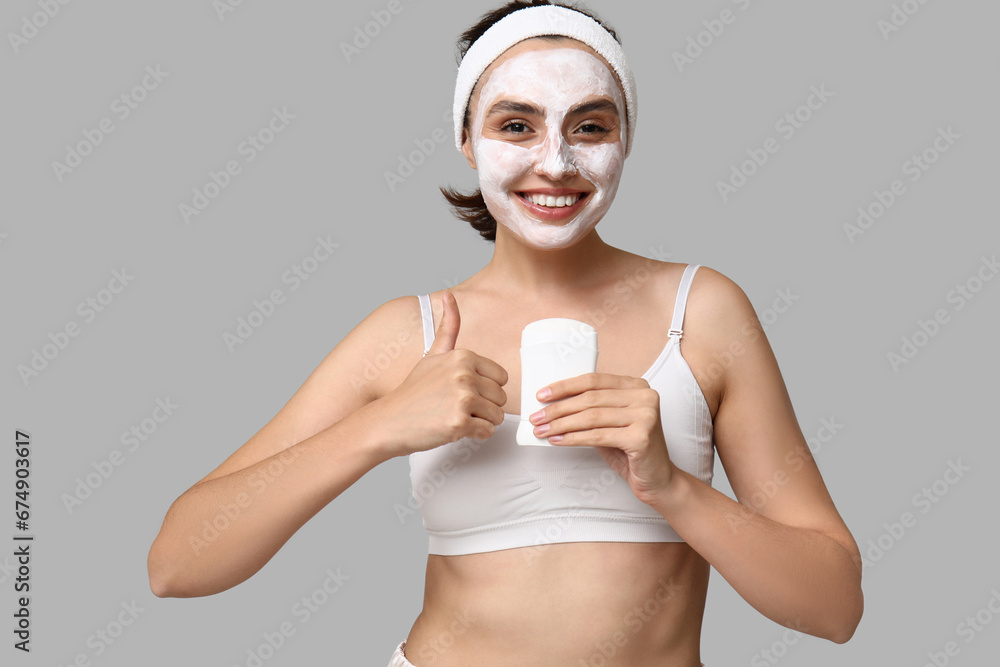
(323, 176)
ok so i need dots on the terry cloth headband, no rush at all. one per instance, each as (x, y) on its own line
(534, 22)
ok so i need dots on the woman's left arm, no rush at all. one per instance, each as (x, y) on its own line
(783, 547)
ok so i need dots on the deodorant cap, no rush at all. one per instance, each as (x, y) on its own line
(560, 330)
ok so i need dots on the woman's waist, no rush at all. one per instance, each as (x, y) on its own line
(648, 635)
(616, 603)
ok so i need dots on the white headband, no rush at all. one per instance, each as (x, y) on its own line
(534, 22)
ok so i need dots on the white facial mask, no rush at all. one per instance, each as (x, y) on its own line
(554, 80)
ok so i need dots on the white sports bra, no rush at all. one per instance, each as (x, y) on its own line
(486, 495)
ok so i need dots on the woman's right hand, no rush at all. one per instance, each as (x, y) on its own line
(450, 394)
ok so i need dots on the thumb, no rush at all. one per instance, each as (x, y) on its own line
(447, 331)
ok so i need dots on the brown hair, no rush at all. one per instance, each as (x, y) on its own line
(471, 207)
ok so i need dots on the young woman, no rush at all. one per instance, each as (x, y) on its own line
(595, 551)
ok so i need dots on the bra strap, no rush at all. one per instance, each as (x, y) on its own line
(681, 301)
(428, 320)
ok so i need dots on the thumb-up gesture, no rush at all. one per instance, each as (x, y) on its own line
(450, 394)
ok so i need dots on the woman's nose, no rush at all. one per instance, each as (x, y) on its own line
(555, 160)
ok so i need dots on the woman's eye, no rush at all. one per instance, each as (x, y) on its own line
(516, 127)
(592, 128)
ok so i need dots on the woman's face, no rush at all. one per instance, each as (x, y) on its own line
(546, 137)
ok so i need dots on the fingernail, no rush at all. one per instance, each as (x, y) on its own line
(536, 415)
(545, 393)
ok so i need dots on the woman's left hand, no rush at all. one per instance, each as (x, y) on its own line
(617, 414)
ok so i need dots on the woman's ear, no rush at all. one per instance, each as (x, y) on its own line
(467, 149)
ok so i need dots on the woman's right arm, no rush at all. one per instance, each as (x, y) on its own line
(229, 524)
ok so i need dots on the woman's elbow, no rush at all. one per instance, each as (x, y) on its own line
(847, 627)
(163, 579)
(159, 578)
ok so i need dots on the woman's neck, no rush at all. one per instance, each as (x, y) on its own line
(520, 269)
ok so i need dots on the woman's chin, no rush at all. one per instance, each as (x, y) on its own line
(546, 236)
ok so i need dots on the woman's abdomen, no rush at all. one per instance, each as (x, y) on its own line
(577, 603)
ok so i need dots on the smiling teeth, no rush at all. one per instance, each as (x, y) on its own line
(553, 202)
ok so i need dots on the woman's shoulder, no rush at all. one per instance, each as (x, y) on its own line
(396, 320)
(387, 342)
(708, 284)
(720, 319)
(716, 315)
(714, 296)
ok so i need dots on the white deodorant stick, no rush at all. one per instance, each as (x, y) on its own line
(552, 349)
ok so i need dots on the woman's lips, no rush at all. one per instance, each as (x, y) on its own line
(550, 212)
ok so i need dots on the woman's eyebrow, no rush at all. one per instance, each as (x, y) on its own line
(510, 106)
(596, 105)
